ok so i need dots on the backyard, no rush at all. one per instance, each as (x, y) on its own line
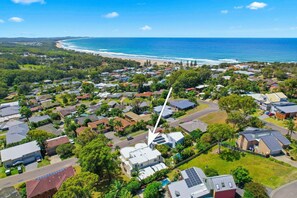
(265, 171)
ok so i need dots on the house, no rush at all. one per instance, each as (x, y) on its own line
(276, 97)
(170, 139)
(49, 104)
(182, 104)
(24, 153)
(52, 144)
(64, 112)
(143, 158)
(39, 119)
(112, 104)
(144, 95)
(284, 110)
(6, 125)
(104, 122)
(84, 97)
(81, 120)
(43, 98)
(167, 113)
(9, 112)
(80, 130)
(134, 118)
(195, 184)
(124, 124)
(262, 141)
(48, 185)
(194, 125)
(50, 129)
(17, 133)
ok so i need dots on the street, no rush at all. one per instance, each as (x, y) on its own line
(286, 191)
(26, 176)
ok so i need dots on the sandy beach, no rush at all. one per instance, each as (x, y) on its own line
(141, 60)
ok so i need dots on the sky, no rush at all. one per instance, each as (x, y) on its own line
(148, 18)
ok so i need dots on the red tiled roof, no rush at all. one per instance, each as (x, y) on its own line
(85, 96)
(50, 183)
(51, 143)
(144, 94)
(95, 124)
(80, 130)
(124, 122)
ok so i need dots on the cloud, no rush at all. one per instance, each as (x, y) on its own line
(256, 5)
(238, 7)
(2, 21)
(111, 15)
(16, 19)
(146, 28)
(224, 11)
(28, 1)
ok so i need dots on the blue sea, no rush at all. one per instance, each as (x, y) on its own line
(203, 50)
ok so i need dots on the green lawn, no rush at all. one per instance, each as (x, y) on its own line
(14, 171)
(44, 162)
(32, 67)
(262, 170)
(201, 107)
(135, 134)
(215, 118)
(276, 122)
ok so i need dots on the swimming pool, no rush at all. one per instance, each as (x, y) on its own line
(165, 182)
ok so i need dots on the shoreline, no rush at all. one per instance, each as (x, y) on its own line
(138, 59)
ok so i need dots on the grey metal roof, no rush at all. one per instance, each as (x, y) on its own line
(7, 111)
(17, 133)
(50, 129)
(271, 143)
(19, 151)
(287, 109)
(221, 183)
(194, 125)
(10, 123)
(182, 104)
(37, 119)
(281, 138)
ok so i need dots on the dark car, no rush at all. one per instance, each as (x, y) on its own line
(20, 169)
(129, 137)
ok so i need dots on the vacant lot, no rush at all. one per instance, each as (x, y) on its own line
(215, 118)
(262, 170)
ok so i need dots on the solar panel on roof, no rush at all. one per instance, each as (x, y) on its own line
(193, 179)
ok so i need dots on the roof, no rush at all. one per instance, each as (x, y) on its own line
(287, 109)
(95, 124)
(67, 111)
(50, 129)
(80, 130)
(144, 94)
(192, 186)
(10, 123)
(17, 133)
(221, 183)
(81, 120)
(182, 104)
(54, 142)
(19, 151)
(276, 97)
(9, 192)
(176, 136)
(272, 143)
(124, 122)
(37, 119)
(48, 182)
(194, 125)
(166, 113)
(7, 111)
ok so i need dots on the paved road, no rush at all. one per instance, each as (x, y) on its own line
(286, 191)
(213, 107)
(137, 139)
(15, 179)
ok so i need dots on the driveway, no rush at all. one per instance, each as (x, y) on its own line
(111, 136)
(286, 159)
(288, 190)
(31, 167)
(55, 159)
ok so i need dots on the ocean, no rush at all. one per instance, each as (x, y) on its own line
(203, 50)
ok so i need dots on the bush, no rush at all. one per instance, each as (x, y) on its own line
(241, 176)
(133, 186)
(255, 190)
(156, 176)
(211, 172)
(152, 190)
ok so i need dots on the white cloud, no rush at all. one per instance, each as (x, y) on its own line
(238, 7)
(146, 28)
(28, 1)
(16, 19)
(256, 5)
(224, 11)
(2, 21)
(111, 15)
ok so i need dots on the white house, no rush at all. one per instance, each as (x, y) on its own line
(170, 139)
(142, 158)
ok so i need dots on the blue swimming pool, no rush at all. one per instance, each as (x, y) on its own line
(165, 182)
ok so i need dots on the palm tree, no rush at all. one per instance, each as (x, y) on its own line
(111, 123)
(118, 124)
(290, 124)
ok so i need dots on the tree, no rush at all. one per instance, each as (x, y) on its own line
(3, 90)
(152, 190)
(103, 109)
(81, 109)
(187, 152)
(86, 136)
(244, 104)
(289, 86)
(80, 185)
(24, 88)
(140, 79)
(25, 111)
(118, 190)
(40, 136)
(96, 157)
(65, 150)
(290, 124)
(164, 149)
(220, 132)
(133, 186)
(241, 176)
(88, 87)
(255, 190)
(211, 172)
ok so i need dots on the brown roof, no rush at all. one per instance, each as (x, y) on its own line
(51, 143)
(34, 109)
(144, 94)
(48, 184)
(80, 130)
(95, 124)
(83, 97)
(67, 111)
(124, 122)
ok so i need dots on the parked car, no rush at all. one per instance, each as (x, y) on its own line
(20, 169)
(38, 159)
(8, 172)
(129, 137)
